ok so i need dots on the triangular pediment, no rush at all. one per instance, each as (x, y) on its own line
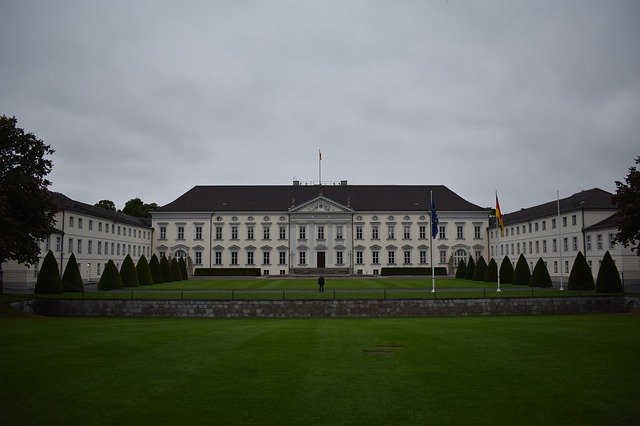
(320, 205)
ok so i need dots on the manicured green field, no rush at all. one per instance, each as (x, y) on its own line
(480, 370)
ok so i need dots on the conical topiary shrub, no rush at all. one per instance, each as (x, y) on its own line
(540, 276)
(176, 275)
(156, 271)
(183, 269)
(110, 279)
(522, 274)
(128, 273)
(491, 276)
(144, 271)
(608, 280)
(480, 270)
(471, 266)
(461, 272)
(49, 281)
(506, 271)
(580, 277)
(71, 279)
(166, 270)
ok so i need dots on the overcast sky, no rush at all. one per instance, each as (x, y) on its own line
(147, 98)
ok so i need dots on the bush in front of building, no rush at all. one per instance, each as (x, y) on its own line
(227, 272)
(540, 276)
(110, 279)
(461, 271)
(71, 279)
(156, 271)
(176, 275)
(128, 273)
(413, 270)
(522, 273)
(165, 267)
(471, 266)
(491, 275)
(506, 271)
(608, 280)
(144, 271)
(480, 269)
(183, 269)
(580, 277)
(49, 281)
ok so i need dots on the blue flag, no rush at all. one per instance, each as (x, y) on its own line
(434, 220)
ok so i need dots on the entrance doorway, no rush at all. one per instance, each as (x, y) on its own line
(320, 259)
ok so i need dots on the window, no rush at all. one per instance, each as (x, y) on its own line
(612, 244)
(266, 235)
(423, 257)
(358, 232)
(407, 257)
(303, 257)
(90, 247)
(391, 232)
(163, 232)
(407, 232)
(544, 246)
(250, 232)
(442, 232)
(565, 244)
(359, 257)
(302, 233)
(443, 256)
(70, 245)
(537, 246)
(100, 226)
(564, 221)
(392, 257)
(339, 258)
(282, 258)
(90, 225)
(555, 266)
(218, 232)
(249, 258)
(218, 257)
(530, 247)
(518, 247)
(339, 232)
(234, 257)
(374, 232)
(459, 232)
(129, 231)
(71, 221)
(99, 247)
(283, 232)
(476, 232)
(198, 258)
(575, 243)
(234, 232)
(566, 266)
(375, 256)
(501, 250)
(599, 241)
(492, 250)
(181, 232)
(198, 232)
(119, 230)
(79, 245)
(320, 232)
(553, 224)
(422, 231)
(506, 232)
(530, 228)
(266, 258)
(555, 245)
(118, 249)
(57, 243)
(573, 220)
(98, 269)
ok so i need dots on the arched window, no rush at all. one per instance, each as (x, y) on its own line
(180, 254)
(459, 255)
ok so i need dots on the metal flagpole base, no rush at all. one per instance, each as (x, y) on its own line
(498, 291)
(561, 288)
(433, 290)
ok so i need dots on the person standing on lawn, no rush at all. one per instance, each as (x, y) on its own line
(321, 284)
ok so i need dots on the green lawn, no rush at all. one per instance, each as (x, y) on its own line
(573, 369)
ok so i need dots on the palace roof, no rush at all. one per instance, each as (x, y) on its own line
(64, 203)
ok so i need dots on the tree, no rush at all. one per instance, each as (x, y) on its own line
(107, 205)
(580, 277)
(461, 272)
(165, 267)
(491, 276)
(471, 266)
(480, 269)
(176, 275)
(128, 273)
(49, 281)
(627, 197)
(26, 208)
(540, 276)
(506, 271)
(135, 207)
(608, 280)
(183, 269)
(71, 279)
(522, 274)
(156, 271)
(110, 279)
(144, 271)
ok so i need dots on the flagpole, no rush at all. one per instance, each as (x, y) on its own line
(319, 168)
(433, 276)
(499, 231)
(560, 241)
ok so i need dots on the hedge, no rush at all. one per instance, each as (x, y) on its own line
(144, 271)
(580, 277)
(176, 275)
(71, 279)
(110, 279)
(461, 272)
(608, 280)
(227, 272)
(156, 271)
(128, 273)
(408, 270)
(491, 275)
(540, 276)
(506, 271)
(183, 269)
(165, 267)
(471, 267)
(49, 281)
(522, 274)
(480, 269)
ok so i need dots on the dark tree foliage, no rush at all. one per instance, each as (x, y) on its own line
(49, 281)
(480, 270)
(461, 272)
(106, 204)
(522, 274)
(110, 279)
(183, 269)
(580, 277)
(166, 270)
(156, 270)
(136, 207)
(128, 273)
(627, 197)
(26, 208)
(471, 266)
(176, 274)
(540, 276)
(144, 271)
(608, 280)
(506, 271)
(71, 279)
(491, 276)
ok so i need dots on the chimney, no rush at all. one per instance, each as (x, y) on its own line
(343, 183)
(296, 183)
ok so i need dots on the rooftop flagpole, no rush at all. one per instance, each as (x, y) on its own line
(319, 168)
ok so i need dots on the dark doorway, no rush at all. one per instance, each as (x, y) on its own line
(320, 259)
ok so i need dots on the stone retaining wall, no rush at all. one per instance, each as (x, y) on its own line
(329, 308)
